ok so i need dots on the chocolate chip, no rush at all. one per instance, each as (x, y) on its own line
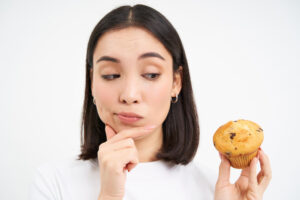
(214, 144)
(259, 130)
(227, 153)
(235, 121)
(232, 135)
(235, 148)
(249, 133)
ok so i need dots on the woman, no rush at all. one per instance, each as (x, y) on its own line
(140, 128)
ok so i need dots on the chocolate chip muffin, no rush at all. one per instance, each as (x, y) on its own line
(239, 141)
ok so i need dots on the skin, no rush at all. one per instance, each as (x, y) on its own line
(134, 90)
(249, 186)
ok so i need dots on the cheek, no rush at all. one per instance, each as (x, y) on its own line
(160, 95)
(160, 99)
(104, 99)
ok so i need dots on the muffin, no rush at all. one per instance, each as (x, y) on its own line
(239, 141)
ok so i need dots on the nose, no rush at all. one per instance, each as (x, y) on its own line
(130, 91)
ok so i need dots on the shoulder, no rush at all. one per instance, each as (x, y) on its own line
(50, 178)
(65, 170)
(66, 165)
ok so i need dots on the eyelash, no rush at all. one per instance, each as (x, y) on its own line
(106, 77)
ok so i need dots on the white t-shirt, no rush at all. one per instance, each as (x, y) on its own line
(80, 180)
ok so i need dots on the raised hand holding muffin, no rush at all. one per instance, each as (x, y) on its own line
(249, 186)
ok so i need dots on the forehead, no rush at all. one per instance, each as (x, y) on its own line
(129, 43)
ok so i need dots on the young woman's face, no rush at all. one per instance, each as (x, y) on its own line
(133, 73)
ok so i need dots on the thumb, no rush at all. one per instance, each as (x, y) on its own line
(224, 172)
(130, 166)
(109, 132)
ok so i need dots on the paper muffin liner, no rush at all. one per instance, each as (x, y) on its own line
(241, 161)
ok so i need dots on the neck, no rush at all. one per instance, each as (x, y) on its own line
(148, 146)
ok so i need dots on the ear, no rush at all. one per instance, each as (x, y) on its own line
(177, 81)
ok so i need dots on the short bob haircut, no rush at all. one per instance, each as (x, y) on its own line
(181, 127)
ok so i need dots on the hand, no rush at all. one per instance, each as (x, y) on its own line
(115, 156)
(248, 186)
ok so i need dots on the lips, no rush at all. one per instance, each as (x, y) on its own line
(129, 114)
(128, 118)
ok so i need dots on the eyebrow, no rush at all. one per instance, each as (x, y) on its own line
(145, 55)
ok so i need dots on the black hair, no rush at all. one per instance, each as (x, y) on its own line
(181, 127)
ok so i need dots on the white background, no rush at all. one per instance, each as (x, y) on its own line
(244, 63)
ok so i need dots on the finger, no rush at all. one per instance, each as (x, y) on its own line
(243, 180)
(109, 131)
(266, 172)
(130, 166)
(224, 172)
(253, 176)
(260, 176)
(244, 177)
(245, 172)
(122, 144)
(133, 133)
(127, 158)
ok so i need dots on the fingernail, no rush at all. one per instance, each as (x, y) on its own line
(262, 150)
(149, 127)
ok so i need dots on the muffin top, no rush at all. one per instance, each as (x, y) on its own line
(238, 137)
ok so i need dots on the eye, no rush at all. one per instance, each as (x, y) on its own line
(152, 75)
(110, 76)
